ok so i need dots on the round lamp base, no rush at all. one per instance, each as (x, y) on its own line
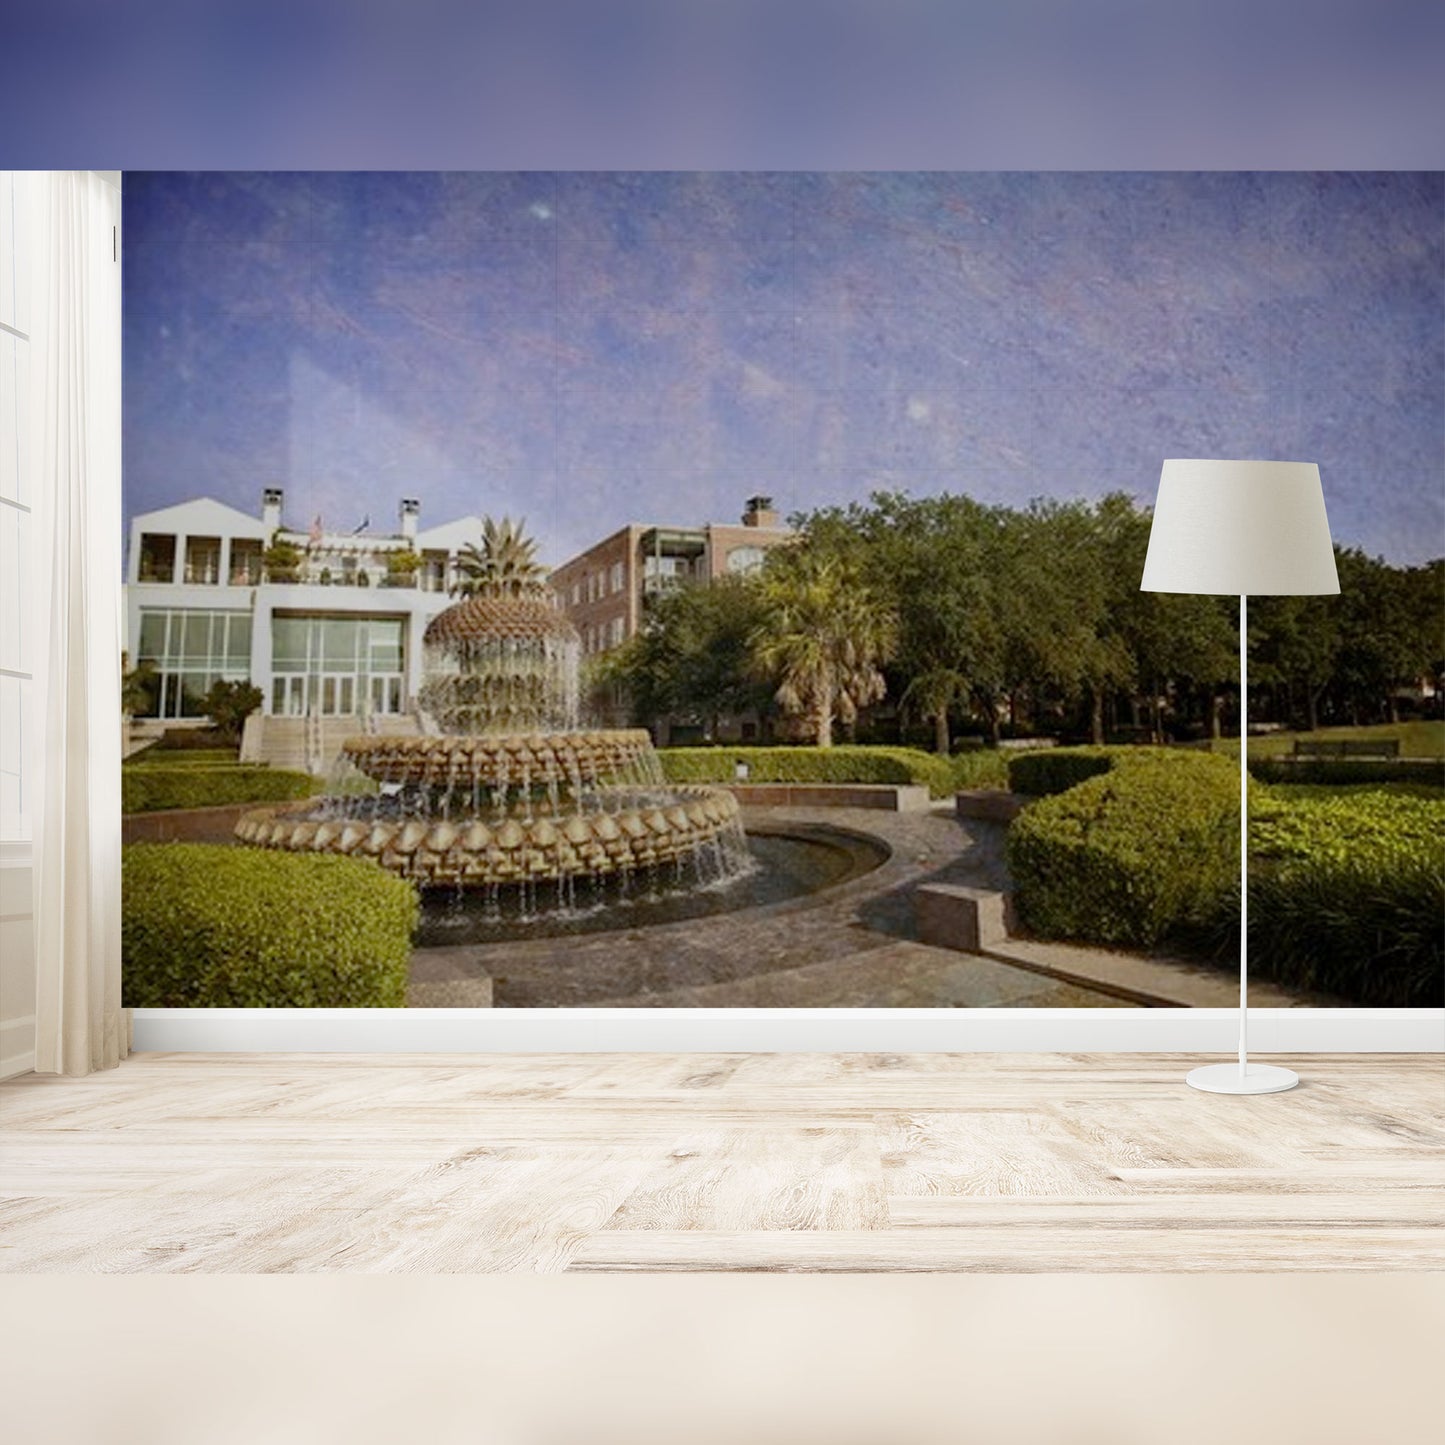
(1252, 1079)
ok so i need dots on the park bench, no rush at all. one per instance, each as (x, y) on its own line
(1385, 749)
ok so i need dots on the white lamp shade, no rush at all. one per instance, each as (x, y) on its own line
(1241, 529)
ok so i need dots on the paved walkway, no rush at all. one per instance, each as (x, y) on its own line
(850, 947)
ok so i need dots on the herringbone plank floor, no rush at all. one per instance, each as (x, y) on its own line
(853, 1162)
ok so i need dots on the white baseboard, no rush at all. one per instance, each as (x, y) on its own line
(580, 1030)
(17, 1046)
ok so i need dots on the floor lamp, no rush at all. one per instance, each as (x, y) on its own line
(1232, 528)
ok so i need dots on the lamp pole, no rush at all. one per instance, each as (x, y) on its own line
(1243, 834)
(1241, 1078)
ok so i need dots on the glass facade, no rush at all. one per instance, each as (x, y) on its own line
(186, 650)
(336, 666)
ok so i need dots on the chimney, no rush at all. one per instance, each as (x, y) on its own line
(271, 508)
(758, 512)
(410, 508)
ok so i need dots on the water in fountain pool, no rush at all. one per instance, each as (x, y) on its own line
(779, 867)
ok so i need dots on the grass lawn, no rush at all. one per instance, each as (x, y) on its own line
(1416, 739)
(183, 757)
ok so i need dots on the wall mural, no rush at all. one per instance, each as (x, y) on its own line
(721, 590)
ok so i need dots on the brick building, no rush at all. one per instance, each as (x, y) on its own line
(603, 589)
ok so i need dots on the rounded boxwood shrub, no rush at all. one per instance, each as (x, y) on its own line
(1055, 770)
(153, 786)
(1132, 855)
(843, 764)
(212, 926)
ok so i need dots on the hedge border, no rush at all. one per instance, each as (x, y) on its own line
(207, 925)
(845, 763)
(156, 788)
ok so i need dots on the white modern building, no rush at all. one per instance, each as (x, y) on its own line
(326, 624)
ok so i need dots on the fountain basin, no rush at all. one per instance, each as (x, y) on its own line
(790, 865)
(631, 830)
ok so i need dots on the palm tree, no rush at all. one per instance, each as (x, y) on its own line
(823, 636)
(505, 565)
(933, 693)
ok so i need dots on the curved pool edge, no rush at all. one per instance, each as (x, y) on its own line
(803, 831)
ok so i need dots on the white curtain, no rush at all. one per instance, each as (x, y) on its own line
(80, 1025)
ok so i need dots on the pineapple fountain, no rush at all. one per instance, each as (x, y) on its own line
(502, 792)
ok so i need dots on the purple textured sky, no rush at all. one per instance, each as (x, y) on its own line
(588, 349)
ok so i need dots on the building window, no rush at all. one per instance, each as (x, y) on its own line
(617, 627)
(745, 559)
(336, 666)
(434, 571)
(157, 557)
(182, 651)
(663, 572)
(245, 562)
(616, 578)
(203, 560)
(576, 593)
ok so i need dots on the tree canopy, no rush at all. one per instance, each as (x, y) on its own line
(991, 618)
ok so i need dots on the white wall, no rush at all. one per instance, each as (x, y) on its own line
(18, 194)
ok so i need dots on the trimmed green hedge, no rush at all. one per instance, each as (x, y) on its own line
(1347, 894)
(979, 769)
(195, 739)
(1346, 887)
(1341, 772)
(1049, 771)
(148, 789)
(178, 758)
(210, 926)
(843, 764)
(1131, 856)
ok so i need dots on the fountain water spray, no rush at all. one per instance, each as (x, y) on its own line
(501, 790)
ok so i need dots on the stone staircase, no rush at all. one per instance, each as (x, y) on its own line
(310, 744)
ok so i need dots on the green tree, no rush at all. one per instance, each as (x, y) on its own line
(282, 560)
(229, 704)
(823, 636)
(927, 559)
(1385, 639)
(934, 694)
(692, 657)
(402, 566)
(1294, 649)
(139, 688)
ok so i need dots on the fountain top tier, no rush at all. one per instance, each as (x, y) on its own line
(504, 658)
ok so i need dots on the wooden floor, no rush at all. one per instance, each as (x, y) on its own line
(258, 1163)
